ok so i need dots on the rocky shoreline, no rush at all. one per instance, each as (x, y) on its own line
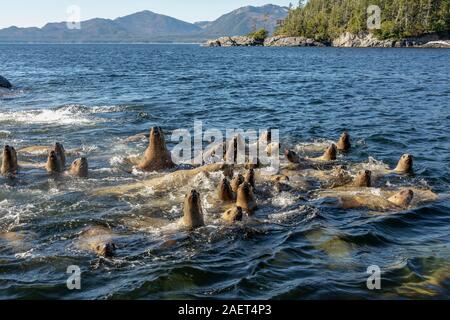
(346, 40)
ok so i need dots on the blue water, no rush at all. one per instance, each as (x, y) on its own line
(392, 101)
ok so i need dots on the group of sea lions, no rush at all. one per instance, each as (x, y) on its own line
(236, 188)
(56, 162)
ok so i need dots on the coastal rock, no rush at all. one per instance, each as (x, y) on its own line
(281, 41)
(4, 83)
(362, 40)
(437, 44)
(236, 41)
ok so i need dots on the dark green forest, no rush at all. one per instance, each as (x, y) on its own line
(325, 20)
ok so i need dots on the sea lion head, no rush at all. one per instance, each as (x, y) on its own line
(224, 191)
(80, 167)
(344, 142)
(156, 156)
(192, 209)
(53, 162)
(266, 137)
(403, 198)
(405, 164)
(291, 156)
(61, 152)
(250, 177)
(157, 140)
(245, 198)
(330, 153)
(364, 179)
(231, 154)
(233, 215)
(8, 164)
(107, 249)
(236, 182)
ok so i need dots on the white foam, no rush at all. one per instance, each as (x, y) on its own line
(70, 114)
(47, 116)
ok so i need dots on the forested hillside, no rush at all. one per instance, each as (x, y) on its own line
(325, 20)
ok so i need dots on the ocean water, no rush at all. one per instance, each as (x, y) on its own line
(92, 97)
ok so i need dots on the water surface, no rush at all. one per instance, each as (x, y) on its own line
(392, 101)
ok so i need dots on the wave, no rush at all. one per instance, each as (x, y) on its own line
(65, 115)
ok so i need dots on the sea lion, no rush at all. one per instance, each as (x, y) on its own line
(250, 177)
(291, 156)
(329, 155)
(224, 191)
(344, 142)
(245, 198)
(400, 200)
(363, 179)
(53, 164)
(97, 240)
(405, 164)
(9, 161)
(79, 168)
(176, 179)
(156, 157)
(236, 182)
(232, 215)
(403, 198)
(61, 153)
(192, 210)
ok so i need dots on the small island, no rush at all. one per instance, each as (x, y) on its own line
(344, 23)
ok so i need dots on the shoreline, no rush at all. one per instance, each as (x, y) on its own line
(345, 40)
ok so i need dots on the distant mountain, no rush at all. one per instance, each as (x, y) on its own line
(246, 19)
(147, 26)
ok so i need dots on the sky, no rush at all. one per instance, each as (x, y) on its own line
(36, 13)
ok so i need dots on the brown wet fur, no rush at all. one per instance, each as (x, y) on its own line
(344, 142)
(79, 168)
(245, 198)
(250, 177)
(156, 157)
(403, 198)
(233, 215)
(53, 164)
(236, 182)
(9, 160)
(224, 191)
(291, 156)
(192, 210)
(363, 179)
(61, 153)
(330, 153)
(405, 164)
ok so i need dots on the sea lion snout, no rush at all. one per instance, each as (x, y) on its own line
(403, 198)
(364, 179)
(291, 156)
(192, 210)
(107, 249)
(405, 164)
(250, 177)
(331, 152)
(9, 161)
(233, 215)
(344, 142)
(156, 156)
(80, 168)
(245, 198)
(236, 182)
(225, 193)
(194, 195)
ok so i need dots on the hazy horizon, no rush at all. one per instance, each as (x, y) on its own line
(22, 13)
